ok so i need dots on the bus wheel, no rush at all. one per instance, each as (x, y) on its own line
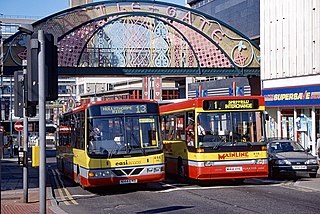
(180, 168)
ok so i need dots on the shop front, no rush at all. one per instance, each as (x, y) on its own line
(294, 113)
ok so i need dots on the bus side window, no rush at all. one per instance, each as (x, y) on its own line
(169, 129)
(67, 141)
(180, 128)
(163, 127)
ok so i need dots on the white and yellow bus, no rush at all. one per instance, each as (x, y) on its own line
(215, 138)
(111, 142)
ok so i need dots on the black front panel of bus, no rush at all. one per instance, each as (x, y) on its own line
(231, 104)
(124, 108)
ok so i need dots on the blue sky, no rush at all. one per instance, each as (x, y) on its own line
(42, 8)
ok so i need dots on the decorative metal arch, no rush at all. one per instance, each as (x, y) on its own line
(141, 38)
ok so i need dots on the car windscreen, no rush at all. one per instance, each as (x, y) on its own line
(285, 146)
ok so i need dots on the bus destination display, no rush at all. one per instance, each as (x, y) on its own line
(230, 104)
(123, 109)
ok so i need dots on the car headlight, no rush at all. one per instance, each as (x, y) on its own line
(311, 161)
(283, 162)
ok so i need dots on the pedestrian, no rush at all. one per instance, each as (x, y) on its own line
(201, 131)
(318, 148)
(10, 142)
(190, 134)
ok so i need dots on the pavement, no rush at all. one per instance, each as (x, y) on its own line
(12, 194)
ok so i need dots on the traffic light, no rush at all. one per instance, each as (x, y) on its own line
(18, 93)
(32, 69)
(31, 110)
(51, 65)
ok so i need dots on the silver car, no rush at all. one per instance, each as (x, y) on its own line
(289, 157)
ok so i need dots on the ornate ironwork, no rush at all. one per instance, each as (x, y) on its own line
(141, 34)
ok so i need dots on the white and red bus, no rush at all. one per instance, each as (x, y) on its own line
(111, 142)
(215, 138)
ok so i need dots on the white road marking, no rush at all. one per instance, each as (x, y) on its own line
(212, 187)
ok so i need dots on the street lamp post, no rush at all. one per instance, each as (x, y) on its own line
(25, 135)
(151, 88)
(26, 29)
(42, 121)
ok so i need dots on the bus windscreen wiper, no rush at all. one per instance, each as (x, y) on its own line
(219, 145)
(137, 143)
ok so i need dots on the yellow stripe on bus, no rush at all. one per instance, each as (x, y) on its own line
(120, 162)
(221, 156)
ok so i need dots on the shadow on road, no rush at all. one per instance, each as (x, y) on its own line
(166, 209)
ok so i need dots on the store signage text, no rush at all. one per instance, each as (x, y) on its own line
(304, 95)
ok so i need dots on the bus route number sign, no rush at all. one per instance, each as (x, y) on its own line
(123, 109)
(232, 104)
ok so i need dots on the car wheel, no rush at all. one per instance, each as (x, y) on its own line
(313, 175)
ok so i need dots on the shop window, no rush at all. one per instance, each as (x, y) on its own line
(287, 123)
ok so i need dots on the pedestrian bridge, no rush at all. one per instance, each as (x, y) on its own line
(140, 38)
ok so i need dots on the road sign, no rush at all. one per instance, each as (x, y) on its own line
(18, 126)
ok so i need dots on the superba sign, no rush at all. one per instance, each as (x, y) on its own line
(292, 96)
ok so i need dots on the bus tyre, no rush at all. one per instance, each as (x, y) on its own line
(239, 180)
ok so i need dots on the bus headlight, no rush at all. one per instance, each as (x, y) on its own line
(99, 174)
(105, 174)
(260, 161)
(155, 169)
(208, 163)
(91, 174)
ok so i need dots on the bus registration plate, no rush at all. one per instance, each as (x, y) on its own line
(234, 169)
(129, 181)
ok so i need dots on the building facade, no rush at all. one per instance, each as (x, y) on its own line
(290, 68)
(243, 15)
